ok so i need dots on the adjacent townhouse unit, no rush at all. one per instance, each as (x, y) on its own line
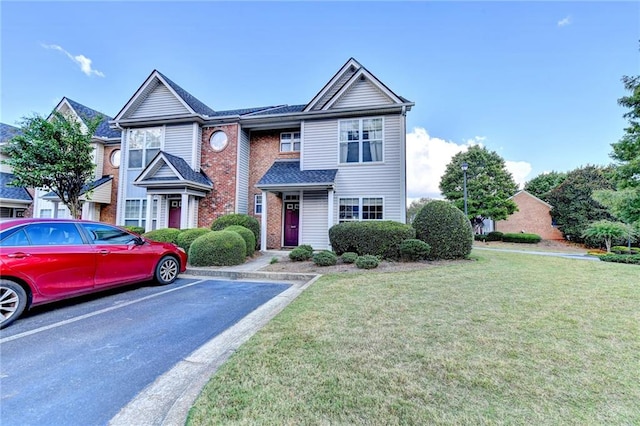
(14, 201)
(99, 196)
(299, 169)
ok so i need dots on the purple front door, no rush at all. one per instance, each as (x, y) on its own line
(175, 207)
(291, 220)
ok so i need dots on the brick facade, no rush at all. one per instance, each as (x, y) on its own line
(265, 149)
(108, 211)
(533, 216)
(221, 168)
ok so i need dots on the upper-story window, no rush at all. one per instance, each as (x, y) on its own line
(361, 140)
(144, 144)
(290, 142)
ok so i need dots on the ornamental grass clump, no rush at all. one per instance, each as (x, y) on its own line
(218, 248)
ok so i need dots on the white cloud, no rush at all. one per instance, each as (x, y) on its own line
(564, 21)
(427, 159)
(83, 61)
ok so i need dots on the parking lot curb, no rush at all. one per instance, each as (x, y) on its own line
(250, 275)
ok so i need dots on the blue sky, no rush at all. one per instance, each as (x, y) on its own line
(537, 82)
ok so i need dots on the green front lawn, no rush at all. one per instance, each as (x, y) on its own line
(506, 338)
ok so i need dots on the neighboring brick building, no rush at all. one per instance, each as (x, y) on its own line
(533, 216)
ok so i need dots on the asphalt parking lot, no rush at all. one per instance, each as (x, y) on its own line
(97, 359)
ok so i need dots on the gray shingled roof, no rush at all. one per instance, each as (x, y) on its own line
(287, 172)
(7, 132)
(12, 192)
(281, 109)
(195, 104)
(87, 114)
(186, 171)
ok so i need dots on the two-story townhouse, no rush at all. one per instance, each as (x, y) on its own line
(99, 196)
(14, 201)
(298, 168)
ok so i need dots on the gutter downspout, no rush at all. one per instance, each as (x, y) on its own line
(403, 156)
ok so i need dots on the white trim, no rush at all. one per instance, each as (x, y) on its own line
(238, 164)
(302, 146)
(263, 223)
(403, 168)
(255, 204)
(351, 62)
(360, 141)
(353, 80)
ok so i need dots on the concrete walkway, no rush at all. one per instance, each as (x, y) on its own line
(167, 401)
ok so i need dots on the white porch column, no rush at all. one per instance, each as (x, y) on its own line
(330, 214)
(184, 211)
(54, 213)
(87, 213)
(148, 219)
(263, 224)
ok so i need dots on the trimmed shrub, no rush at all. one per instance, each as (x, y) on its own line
(300, 254)
(165, 235)
(186, 237)
(625, 250)
(135, 229)
(633, 259)
(494, 236)
(379, 238)
(325, 258)
(480, 237)
(247, 236)
(349, 257)
(446, 229)
(217, 248)
(306, 247)
(367, 262)
(414, 249)
(245, 220)
(521, 238)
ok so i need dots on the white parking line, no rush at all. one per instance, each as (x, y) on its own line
(101, 311)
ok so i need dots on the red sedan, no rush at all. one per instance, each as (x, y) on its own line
(44, 260)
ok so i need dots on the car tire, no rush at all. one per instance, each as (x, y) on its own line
(13, 301)
(167, 270)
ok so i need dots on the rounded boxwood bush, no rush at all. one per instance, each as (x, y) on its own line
(367, 262)
(300, 254)
(325, 258)
(349, 257)
(446, 229)
(414, 249)
(247, 236)
(165, 235)
(187, 236)
(218, 248)
(380, 238)
(135, 229)
(245, 220)
(306, 247)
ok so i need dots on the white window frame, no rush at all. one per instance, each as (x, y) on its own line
(359, 215)
(147, 152)
(344, 140)
(257, 202)
(141, 216)
(292, 140)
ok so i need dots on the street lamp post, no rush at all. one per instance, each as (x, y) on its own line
(465, 166)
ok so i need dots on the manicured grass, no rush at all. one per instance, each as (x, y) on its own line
(506, 338)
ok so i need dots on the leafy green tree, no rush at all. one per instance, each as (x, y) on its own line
(489, 184)
(415, 207)
(573, 206)
(624, 204)
(541, 185)
(55, 154)
(607, 231)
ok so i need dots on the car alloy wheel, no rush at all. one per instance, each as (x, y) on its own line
(13, 300)
(167, 270)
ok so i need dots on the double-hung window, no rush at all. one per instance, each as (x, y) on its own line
(257, 204)
(135, 212)
(360, 140)
(144, 144)
(365, 208)
(290, 142)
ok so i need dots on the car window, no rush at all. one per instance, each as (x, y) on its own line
(53, 234)
(14, 238)
(105, 234)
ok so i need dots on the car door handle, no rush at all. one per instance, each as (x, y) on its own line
(103, 252)
(18, 255)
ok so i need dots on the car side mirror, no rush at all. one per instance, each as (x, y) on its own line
(138, 241)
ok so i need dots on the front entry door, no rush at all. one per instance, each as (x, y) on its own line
(291, 220)
(175, 207)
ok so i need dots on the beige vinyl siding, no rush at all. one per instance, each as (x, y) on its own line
(320, 145)
(313, 220)
(178, 141)
(362, 93)
(242, 190)
(101, 194)
(377, 179)
(160, 101)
